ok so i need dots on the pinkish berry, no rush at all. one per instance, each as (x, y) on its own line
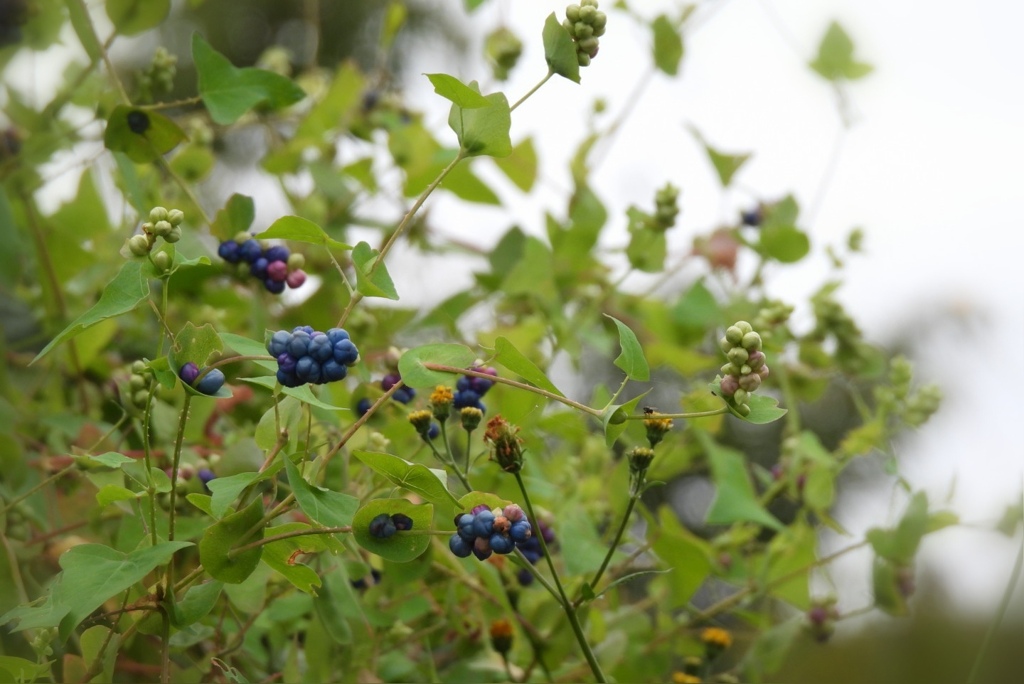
(750, 382)
(296, 278)
(277, 270)
(514, 513)
(729, 385)
(756, 359)
(763, 372)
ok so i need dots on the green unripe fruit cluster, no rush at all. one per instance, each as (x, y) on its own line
(585, 23)
(503, 50)
(158, 77)
(666, 207)
(163, 223)
(741, 344)
(138, 387)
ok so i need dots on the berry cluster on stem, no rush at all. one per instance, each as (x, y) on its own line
(585, 23)
(305, 355)
(746, 368)
(483, 531)
(274, 265)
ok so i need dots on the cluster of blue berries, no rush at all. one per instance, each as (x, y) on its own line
(384, 525)
(483, 531)
(275, 266)
(533, 552)
(210, 384)
(306, 355)
(402, 395)
(469, 389)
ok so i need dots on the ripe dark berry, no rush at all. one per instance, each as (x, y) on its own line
(205, 475)
(138, 121)
(520, 531)
(278, 342)
(389, 381)
(482, 548)
(277, 270)
(362, 406)
(332, 371)
(211, 383)
(308, 329)
(382, 527)
(229, 251)
(345, 352)
(483, 524)
(434, 431)
(273, 286)
(466, 528)
(188, 373)
(402, 521)
(277, 253)
(296, 279)
(250, 251)
(259, 268)
(320, 348)
(459, 546)
(501, 544)
(404, 395)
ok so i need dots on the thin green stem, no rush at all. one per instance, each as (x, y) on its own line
(179, 438)
(147, 450)
(532, 90)
(450, 463)
(288, 535)
(570, 612)
(615, 543)
(513, 383)
(357, 297)
(1011, 586)
(693, 414)
(537, 575)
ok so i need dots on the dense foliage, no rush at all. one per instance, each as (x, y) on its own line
(229, 453)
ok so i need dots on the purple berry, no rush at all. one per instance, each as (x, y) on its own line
(482, 548)
(389, 381)
(277, 271)
(188, 373)
(296, 278)
(205, 475)
(286, 362)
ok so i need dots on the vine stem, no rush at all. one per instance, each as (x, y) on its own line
(615, 543)
(1011, 586)
(532, 90)
(694, 414)
(570, 612)
(358, 297)
(287, 535)
(182, 420)
(513, 383)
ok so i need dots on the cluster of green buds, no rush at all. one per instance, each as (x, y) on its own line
(138, 386)
(852, 354)
(585, 23)
(162, 223)
(913, 408)
(158, 77)
(503, 50)
(666, 207)
(746, 368)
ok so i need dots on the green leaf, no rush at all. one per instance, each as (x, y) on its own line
(197, 603)
(131, 17)
(769, 650)
(236, 217)
(560, 50)
(483, 130)
(685, 554)
(457, 92)
(300, 230)
(229, 92)
(629, 577)
(735, 498)
(303, 393)
(835, 56)
(430, 484)
(886, 586)
(110, 459)
(521, 165)
(196, 345)
(473, 499)
(110, 493)
(763, 409)
(785, 243)
(280, 555)
(127, 290)
(647, 248)
(162, 372)
(224, 490)
(900, 544)
(81, 22)
(790, 553)
(21, 670)
(614, 418)
(582, 549)
(141, 134)
(330, 509)
(415, 374)
(403, 546)
(247, 347)
(517, 362)
(371, 281)
(221, 537)
(94, 573)
(631, 359)
(726, 165)
(668, 45)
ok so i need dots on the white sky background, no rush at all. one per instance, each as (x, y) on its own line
(931, 170)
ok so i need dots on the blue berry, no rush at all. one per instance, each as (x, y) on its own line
(483, 524)
(211, 383)
(466, 528)
(466, 399)
(520, 531)
(277, 253)
(259, 268)
(188, 373)
(345, 352)
(362, 406)
(307, 370)
(308, 329)
(361, 583)
(482, 548)
(273, 286)
(336, 335)
(501, 544)
(333, 371)
(525, 577)
(278, 343)
(459, 546)
(403, 395)
(462, 384)
(402, 521)
(382, 527)
(433, 431)
(288, 379)
(299, 344)
(320, 347)
(286, 362)
(205, 475)
(229, 252)
(250, 251)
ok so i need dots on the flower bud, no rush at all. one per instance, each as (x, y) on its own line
(752, 341)
(161, 261)
(640, 459)
(421, 421)
(441, 402)
(175, 217)
(657, 428)
(501, 636)
(138, 245)
(157, 214)
(508, 450)
(174, 235)
(470, 417)
(161, 228)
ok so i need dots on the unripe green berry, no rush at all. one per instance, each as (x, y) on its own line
(157, 214)
(724, 344)
(138, 245)
(746, 370)
(733, 334)
(599, 31)
(588, 45)
(583, 59)
(742, 409)
(174, 235)
(730, 369)
(750, 383)
(744, 327)
(296, 261)
(588, 3)
(175, 216)
(738, 355)
(599, 21)
(752, 341)
(139, 367)
(572, 13)
(583, 30)
(570, 27)
(740, 396)
(241, 237)
(140, 398)
(162, 228)
(137, 382)
(587, 13)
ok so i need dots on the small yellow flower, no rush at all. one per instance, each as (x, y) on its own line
(656, 427)
(442, 394)
(501, 635)
(683, 678)
(421, 421)
(716, 638)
